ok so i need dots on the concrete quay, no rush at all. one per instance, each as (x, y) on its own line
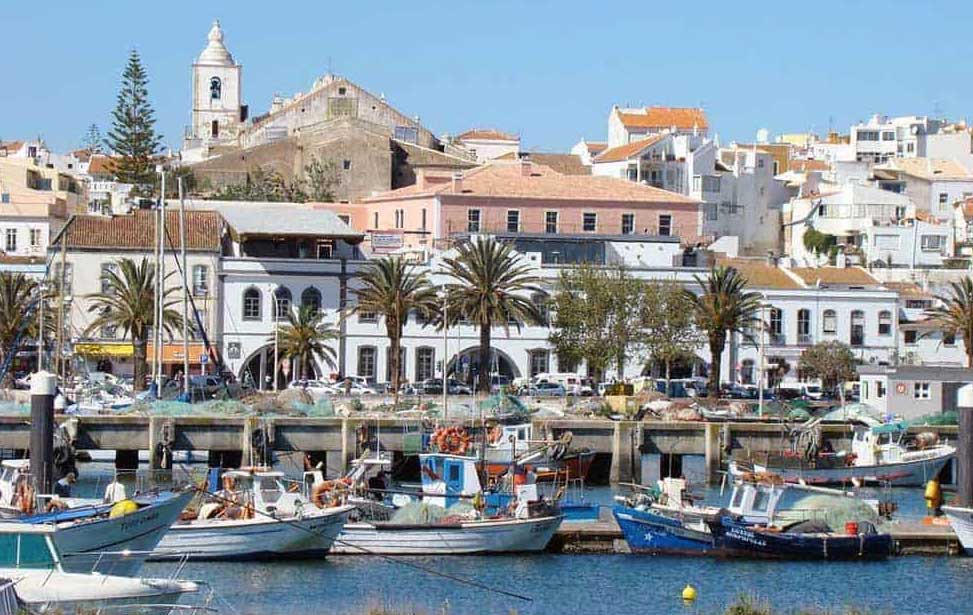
(339, 439)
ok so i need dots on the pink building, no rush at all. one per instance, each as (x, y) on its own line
(525, 197)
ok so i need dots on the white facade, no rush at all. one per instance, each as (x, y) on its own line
(27, 236)
(217, 94)
(883, 138)
(909, 244)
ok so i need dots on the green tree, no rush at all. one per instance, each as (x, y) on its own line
(263, 185)
(723, 306)
(321, 179)
(306, 338)
(132, 137)
(820, 243)
(93, 140)
(392, 288)
(490, 281)
(128, 304)
(954, 314)
(832, 362)
(17, 326)
(669, 331)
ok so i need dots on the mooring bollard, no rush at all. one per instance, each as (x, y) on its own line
(43, 386)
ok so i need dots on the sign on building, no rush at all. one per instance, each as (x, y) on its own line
(386, 241)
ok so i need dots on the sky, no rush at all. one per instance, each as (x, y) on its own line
(549, 71)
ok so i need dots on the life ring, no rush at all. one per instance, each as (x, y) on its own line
(325, 493)
(900, 388)
(451, 440)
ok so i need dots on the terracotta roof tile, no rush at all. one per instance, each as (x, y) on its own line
(566, 164)
(99, 165)
(596, 147)
(759, 274)
(928, 168)
(629, 150)
(809, 165)
(507, 180)
(486, 134)
(908, 289)
(136, 231)
(850, 276)
(684, 118)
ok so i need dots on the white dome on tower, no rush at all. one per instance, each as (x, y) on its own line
(216, 52)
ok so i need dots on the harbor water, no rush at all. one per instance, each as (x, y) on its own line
(610, 584)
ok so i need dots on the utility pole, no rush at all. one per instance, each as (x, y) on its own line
(760, 362)
(185, 292)
(445, 353)
(60, 309)
(273, 293)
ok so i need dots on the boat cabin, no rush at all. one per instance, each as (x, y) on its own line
(516, 438)
(756, 501)
(879, 444)
(448, 478)
(12, 471)
(265, 490)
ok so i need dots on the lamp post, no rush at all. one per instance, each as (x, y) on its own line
(445, 352)
(275, 300)
(760, 362)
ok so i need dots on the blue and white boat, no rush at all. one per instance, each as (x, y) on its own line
(665, 520)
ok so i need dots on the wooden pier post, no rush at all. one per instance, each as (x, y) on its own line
(42, 388)
(711, 449)
(964, 450)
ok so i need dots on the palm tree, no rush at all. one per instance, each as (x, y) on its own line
(17, 323)
(392, 288)
(491, 282)
(723, 307)
(954, 314)
(305, 337)
(128, 304)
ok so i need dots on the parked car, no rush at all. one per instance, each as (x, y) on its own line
(546, 389)
(434, 386)
(315, 388)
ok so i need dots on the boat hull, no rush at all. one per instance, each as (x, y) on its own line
(490, 536)
(905, 474)
(652, 533)
(961, 520)
(57, 591)
(734, 539)
(117, 546)
(260, 538)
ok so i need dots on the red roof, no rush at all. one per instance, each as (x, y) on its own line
(486, 134)
(629, 150)
(684, 118)
(99, 165)
(136, 231)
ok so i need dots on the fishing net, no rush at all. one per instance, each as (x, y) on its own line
(832, 510)
(425, 513)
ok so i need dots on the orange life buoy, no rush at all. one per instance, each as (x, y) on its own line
(319, 491)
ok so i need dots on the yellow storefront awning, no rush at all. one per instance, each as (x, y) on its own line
(106, 349)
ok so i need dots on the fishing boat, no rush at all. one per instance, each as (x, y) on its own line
(32, 560)
(750, 528)
(452, 516)
(880, 453)
(255, 516)
(961, 520)
(665, 520)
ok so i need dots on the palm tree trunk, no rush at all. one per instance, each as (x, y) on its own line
(395, 343)
(138, 352)
(716, 344)
(484, 371)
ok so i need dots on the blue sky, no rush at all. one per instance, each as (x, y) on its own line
(547, 70)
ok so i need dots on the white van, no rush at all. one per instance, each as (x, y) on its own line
(573, 383)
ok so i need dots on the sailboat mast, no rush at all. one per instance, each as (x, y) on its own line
(160, 274)
(185, 291)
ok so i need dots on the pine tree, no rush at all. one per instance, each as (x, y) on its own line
(93, 140)
(132, 137)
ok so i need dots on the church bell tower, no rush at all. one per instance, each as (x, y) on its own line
(217, 109)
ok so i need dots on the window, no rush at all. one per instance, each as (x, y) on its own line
(425, 363)
(910, 336)
(864, 391)
(107, 269)
(376, 221)
(346, 165)
(712, 211)
(665, 225)
(628, 224)
(932, 243)
(917, 304)
(885, 323)
(311, 298)
(345, 218)
(473, 221)
(109, 332)
(215, 88)
(888, 135)
(760, 163)
(399, 218)
(11, 244)
(214, 129)
(868, 135)
(513, 221)
(590, 222)
(921, 390)
(776, 322)
(366, 362)
(325, 249)
(949, 338)
(538, 362)
(423, 227)
(251, 304)
(803, 326)
(200, 280)
(369, 317)
(880, 389)
(341, 91)
(943, 198)
(746, 372)
(282, 299)
(540, 301)
(5, 197)
(35, 237)
(550, 222)
(857, 328)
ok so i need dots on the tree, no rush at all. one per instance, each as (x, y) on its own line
(954, 314)
(669, 331)
(132, 137)
(128, 304)
(263, 185)
(305, 338)
(722, 307)
(93, 140)
(820, 243)
(490, 281)
(392, 288)
(321, 177)
(832, 362)
(597, 317)
(17, 326)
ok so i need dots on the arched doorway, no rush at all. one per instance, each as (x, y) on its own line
(258, 370)
(465, 366)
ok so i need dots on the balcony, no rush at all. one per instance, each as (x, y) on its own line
(804, 339)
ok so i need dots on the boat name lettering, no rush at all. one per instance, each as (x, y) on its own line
(745, 536)
(139, 522)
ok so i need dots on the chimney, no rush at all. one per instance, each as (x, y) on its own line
(421, 180)
(525, 168)
(457, 182)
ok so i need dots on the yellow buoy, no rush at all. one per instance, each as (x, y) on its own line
(689, 593)
(934, 496)
(122, 508)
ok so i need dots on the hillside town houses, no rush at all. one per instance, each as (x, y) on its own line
(847, 237)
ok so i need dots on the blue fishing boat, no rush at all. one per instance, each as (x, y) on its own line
(665, 520)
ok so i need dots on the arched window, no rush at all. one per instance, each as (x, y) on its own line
(885, 322)
(251, 304)
(829, 322)
(215, 88)
(282, 302)
(200, 280)
(425, 363)
(746, 372)
(803, 326)
(311, 298)
(857, 332)
(541, 302)
(776, 325)
(366, 362)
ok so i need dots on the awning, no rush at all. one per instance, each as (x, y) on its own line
(172, 353)
(105, 349)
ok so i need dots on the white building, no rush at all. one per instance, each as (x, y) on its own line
(909, 243)
(932, 184)
(484, 144)
(883, 138)
(630, 125)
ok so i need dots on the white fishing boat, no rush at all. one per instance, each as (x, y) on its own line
(254, 516)
(879, 453)
(961, 520)
(442, 528)
(30, 558)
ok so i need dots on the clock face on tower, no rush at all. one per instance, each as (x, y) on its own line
(215, 88)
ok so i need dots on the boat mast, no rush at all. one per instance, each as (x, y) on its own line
(185, 292)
